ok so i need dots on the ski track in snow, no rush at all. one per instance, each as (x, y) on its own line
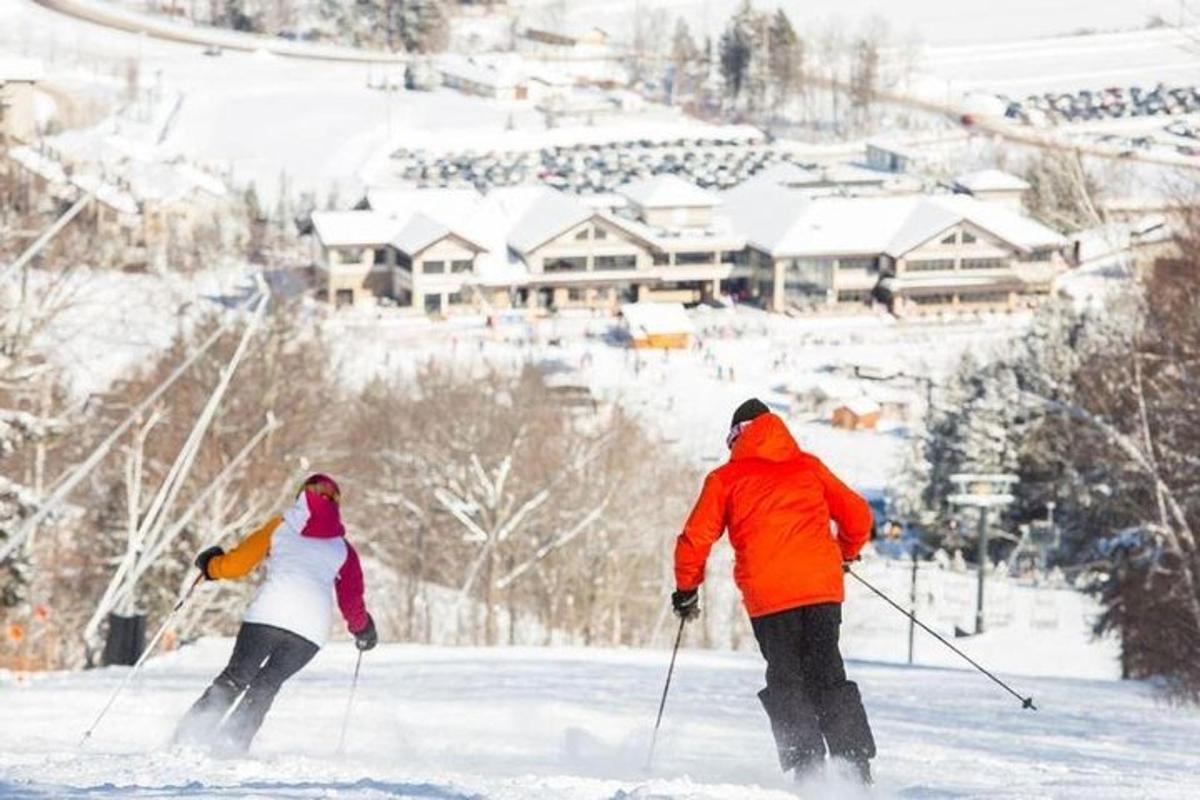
(523, 723)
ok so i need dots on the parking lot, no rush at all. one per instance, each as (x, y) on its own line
(592, 168)
(1113, 102)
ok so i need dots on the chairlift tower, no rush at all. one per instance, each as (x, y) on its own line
(985, 492)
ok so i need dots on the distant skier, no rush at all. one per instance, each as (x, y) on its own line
(307, 558)
(777, 502)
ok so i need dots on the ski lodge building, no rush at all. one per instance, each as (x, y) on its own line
(782, 244)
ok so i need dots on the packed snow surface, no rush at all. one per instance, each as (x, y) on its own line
(511, 724)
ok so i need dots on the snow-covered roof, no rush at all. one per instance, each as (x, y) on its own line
(918, 223)
(500, 71)
(861, 406)
(353, 228)
(549, 215)
(419, 232)
(789, 223)
(668, 191)
(1012, 226)
(655, 319)
(991, 180)
(24, 70)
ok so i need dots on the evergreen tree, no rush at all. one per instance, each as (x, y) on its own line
(785, 57)
(737, 50)
(422, 26)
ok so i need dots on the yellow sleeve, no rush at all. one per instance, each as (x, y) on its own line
(246, 556)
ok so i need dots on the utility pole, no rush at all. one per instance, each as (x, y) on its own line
(912, 597)
(982, 558)
(984, 492)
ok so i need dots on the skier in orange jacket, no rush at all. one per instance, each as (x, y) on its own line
(777, 503)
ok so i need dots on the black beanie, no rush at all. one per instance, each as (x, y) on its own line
(749, 410)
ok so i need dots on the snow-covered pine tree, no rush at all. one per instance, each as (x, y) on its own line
(422, 26)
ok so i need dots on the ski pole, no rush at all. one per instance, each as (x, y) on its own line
(1026, 702)
(137, 667)
(349, 702)
(666, 688)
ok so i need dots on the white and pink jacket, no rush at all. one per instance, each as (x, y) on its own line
(308, 561)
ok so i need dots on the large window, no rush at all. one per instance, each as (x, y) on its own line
(943, 299)
(455, 299)
(930, 265)
(599, 233)
(345, 297)
(814, 273)
(984, 263)
(968, 238)
(460, 265)
(708, 257)
(982, 298)
(404, 262)
(433, 303)
(564, 264)
(661, 259)
(575, 295)
(869, 264)
(581, 235)
(731, 257)
(433, 267)
(951, 239)
(350, 255)
(1041, 255)
(381, 255)
(615, 262)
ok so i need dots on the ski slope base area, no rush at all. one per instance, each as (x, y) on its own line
(523, 723)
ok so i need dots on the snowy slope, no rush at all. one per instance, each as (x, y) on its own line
(517, 724)
(686, 398)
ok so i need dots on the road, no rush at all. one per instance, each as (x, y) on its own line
(121, 18)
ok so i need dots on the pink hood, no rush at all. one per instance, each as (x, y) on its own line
(324, 517)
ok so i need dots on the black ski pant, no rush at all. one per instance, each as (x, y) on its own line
(808, 699)
(263, 658)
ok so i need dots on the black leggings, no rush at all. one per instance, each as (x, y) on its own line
(808, 699)
(263, 658)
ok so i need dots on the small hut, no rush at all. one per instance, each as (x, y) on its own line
(663, 326)
(862, 413)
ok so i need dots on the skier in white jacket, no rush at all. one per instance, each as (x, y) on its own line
(307, 559)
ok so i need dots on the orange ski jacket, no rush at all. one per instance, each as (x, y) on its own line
(777, 502)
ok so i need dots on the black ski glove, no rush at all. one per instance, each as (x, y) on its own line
(686, 604)
(846, 564)
(205, 557)
(367, 638)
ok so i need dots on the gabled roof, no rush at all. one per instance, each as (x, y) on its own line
(991, 180)
(1013, 227)
(353, 228)
(421, 231)
(923, 221)
(656, 319)
(549, 215)
(788, 223)
(668, 191)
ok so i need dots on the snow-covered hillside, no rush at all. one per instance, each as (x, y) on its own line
(511, 724)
